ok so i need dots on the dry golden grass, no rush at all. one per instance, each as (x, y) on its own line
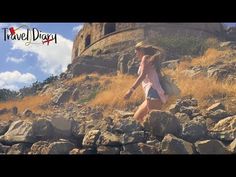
(112, 95)
(80, 78)
(210, 57)
(203, 88)
(31, 102)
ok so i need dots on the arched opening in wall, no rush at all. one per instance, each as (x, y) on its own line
(109, 28)
(87, 40)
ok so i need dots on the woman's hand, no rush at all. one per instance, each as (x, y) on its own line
(128, 94)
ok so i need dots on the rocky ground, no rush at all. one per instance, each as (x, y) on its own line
(76, 129)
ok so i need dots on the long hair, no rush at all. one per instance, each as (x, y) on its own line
(157, 54)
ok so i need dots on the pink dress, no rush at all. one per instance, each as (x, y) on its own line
(151, 80)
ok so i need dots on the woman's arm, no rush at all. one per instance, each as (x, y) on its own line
(143, 65)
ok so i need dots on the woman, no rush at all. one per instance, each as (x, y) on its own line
(148, 72)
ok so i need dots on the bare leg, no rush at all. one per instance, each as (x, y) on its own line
(141, 112)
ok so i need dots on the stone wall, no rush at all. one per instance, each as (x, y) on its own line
(95, 36)
(118, 37)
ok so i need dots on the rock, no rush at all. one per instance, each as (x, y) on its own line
(109, 139)
(160, 123)
(122, 65)
(216, 106)
(91, 138)
(4, 148)
(133, 66)
(42, 128)
(194, 130)
(40, 147)
(27, 113)
(187, 101)
(217, 115)
(74, 151)
(232, 146)
(188, 110)
(19, 132)
(149, 149)
(63, 97)
(90, 64)
(75, 94)
(108, 150)
(182, 117)
(14, 110)
(173, 145)
(20, 148)
(131, 149)
(62, 126)
(211, 147)
(4, 126)
(174, 108)
(78, 131)
(134, 137)
(185, 105)
(225, 129)
(127, 125)
(60, 147)
(103, 125)
(124, 114)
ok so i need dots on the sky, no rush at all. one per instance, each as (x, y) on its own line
(21, 64)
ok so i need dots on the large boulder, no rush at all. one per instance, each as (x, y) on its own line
(62, 126)
(42, 128)
(173, 145)
(60, 147)
(90, 64)
(160, 123)
(211, 147)
(194, 130)
(225, 129)
(19, 132)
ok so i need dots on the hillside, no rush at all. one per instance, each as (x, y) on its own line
(87, 114)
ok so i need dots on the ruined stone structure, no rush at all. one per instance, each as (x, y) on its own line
(94, 37)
